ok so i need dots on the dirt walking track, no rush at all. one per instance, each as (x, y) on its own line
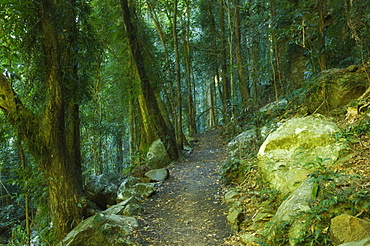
(187, 209)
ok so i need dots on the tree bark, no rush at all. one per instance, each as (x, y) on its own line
(62, 162)
(225, 97)
(211, 105)
(212, 114)
(277, 73)
(151, 103)
(49, 138)
(239, 59)
(321, 34)
(171, 102)
(191, 113)
(179, 133)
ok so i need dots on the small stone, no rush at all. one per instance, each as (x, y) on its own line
(144, 189)
(232, 195)
(352, 68)
(157, 174)
(249, 239)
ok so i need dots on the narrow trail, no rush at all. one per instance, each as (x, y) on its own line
(187, 209)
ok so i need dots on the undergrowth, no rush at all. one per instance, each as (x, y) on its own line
(341, 189)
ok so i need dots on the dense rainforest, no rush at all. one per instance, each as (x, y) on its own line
(86, 86)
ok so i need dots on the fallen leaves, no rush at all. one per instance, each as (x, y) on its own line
(188, 209)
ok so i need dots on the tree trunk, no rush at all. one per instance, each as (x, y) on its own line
(239, 59)
(171, 102)
(191, 114)
(179, 133)
(211, 115)
(22, 160)
(321, 34)
(231, 100)
(46, 142)
(211, 87)
(224, 78)
(134, 134)
(151, 103)
(277, 73)
(149, 134)
(53, 142)
(62, 167)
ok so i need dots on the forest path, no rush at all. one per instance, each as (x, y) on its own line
(187, 209)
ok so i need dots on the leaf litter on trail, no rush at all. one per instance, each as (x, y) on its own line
(189, 202)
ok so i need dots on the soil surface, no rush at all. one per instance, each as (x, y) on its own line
(188, 207)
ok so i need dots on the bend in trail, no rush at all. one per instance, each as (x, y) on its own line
(188, 209)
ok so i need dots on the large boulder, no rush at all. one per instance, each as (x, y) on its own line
(274, 106)
(243, 144)
(296, 149)
(363, 242)
(272, 110)
(157, 155)
(298, 202)
(128, 183)
(126, 190)
(101, 229)
(346, 228)
(335, 88)
(129, 207)
(132, 187)
(102, 189)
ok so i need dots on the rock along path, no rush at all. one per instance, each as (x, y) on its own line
(188, 209)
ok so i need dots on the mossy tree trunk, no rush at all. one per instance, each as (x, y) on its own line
(52, 136)
(157, 120)
(60, 123)
(225, 81)
(243, 83)
(179, 133)
(321, 10)
(191, 108)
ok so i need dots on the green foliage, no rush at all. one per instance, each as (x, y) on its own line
(332, 196)
(333, 193)
(282, 237)
(331, 200)
(19, 236)
(234, 171)
(359, 128)
(353, 132)
(107, 78)
(270, 196)
(230, 165)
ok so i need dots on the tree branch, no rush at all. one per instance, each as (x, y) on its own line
(208, 109)
(7, 95)
(19, 116)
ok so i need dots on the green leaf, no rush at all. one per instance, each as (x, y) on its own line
(315, 189)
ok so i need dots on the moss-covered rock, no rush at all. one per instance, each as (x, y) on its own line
(101, 229)
(287, 212)
(335, 88)
(157, 155)
(243, 144)
(297, 148)
(346, 228)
